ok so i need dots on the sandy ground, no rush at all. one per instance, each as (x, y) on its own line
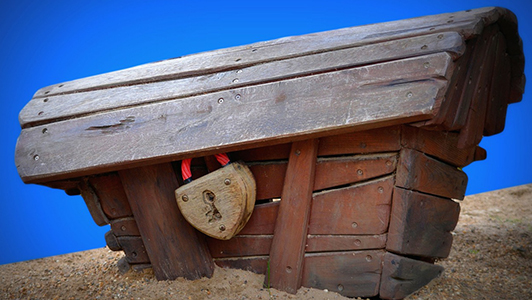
(491, 259)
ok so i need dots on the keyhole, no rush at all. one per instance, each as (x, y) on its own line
(212, 214)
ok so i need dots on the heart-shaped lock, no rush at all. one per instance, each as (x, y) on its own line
(220, 203)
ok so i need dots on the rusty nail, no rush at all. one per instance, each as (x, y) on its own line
(298, 152)
(360, 172)
(288, 269)
(185, 198)
(227, 181)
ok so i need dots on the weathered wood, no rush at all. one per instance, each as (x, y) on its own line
(288, 245)
(220, 203)
(125, 227)
(111, 241)
(467, 24)
(174, 247)
(315, 104)
(337, 171)
(269, 177)
(440, 144)
(112, 197)
(471, 134)
(419, 172)
(255, 264)
(352, 274)
(93, 203)
(361, 142)
(402, 276)
(358, 209)
(323, 243)
(240, 245)
(263, 219)
(275, 152)
(41, 112)
(421, 224)
(134, 249)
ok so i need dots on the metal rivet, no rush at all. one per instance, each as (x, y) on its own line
(134, 254)
(221, 100)
(354, 225)
(227, 181)
(369, 258)
(239, 71)
(45, 130)
(380, 189)
(388, 163)
(36, 157)
(360, 172)
(222, 227)
(237, 97)
(185, 198)
(409, 94)
(358, 242)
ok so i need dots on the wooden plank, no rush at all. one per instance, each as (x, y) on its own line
(499, 91)
(274, 152)
(352, 274)
(417, 171)
(288, 245)
(112, 196)
(471, 133)
(54, 109)
(401, 276)
(358, 209)
(255, 264)
(174, 247)
(134, 249)
(361, 142)
(323, 243)
(125, 227)
(421, 224)
(262, 220)
(310, 106)
(337, 171)
(93, 203)
(467, 24)
(240, 245)
(269, 177)
(439, 144)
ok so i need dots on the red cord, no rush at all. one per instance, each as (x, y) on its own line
(222, 159)
(185, 169)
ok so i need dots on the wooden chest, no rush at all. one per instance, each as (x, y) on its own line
(355, 137)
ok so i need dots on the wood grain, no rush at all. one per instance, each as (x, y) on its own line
(125, 227)
(288, 245)
(421, 224)
(174, 247)
(112, 195)
(401, 276)
(352, 274)
(175, 129)
(361, 142)
(93, 203)
(358, 209)
(419, 172)
(263, 219)
(324, 243)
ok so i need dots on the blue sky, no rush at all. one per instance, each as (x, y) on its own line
(47, 42)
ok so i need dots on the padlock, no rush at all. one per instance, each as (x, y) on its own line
(220, 203)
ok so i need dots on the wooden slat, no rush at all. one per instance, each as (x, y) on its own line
(359, 209)
(112, 196)
(93, 203)
(466, 23)
(323, 243)
(439, 144)
(401, 276)
(421, 224)
(337, 171)
(352, 274)
(361, 142)
(174, 247)
(288, 245)
(274, 152)
(240, 245)
(125, 227)
(168, 131)
(499, 91)
(269, 178)
(417, 171)
(471, 133)
(39, 111)
(262, 220)
(255, 264)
